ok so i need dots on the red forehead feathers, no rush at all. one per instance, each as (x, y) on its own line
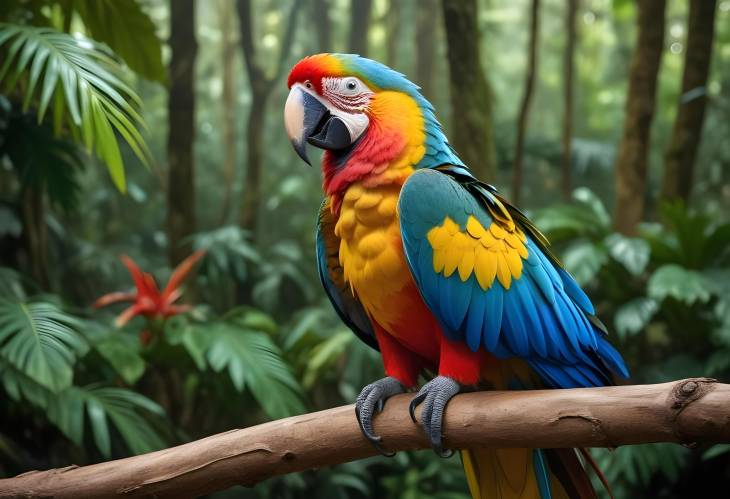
(313, 69)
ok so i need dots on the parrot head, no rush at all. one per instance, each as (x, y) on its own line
(366, 116)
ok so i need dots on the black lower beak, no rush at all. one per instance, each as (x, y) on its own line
(333, 134)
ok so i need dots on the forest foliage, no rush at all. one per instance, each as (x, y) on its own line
(128, 127)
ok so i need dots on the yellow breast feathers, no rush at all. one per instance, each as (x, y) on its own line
(371, 252)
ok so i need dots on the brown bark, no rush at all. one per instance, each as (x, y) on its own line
(471, 107)
(568, 69)
(360, 12)
(260, 86)
(427, 15)
(35, 234)
(632, 158)
(682, 151)
(526, 100)
(321, 18)
(228, 101)
(181, 135)
(688, 411)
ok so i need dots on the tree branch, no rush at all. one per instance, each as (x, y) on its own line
(687, 411)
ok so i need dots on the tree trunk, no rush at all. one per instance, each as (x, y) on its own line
(471, 107)
(260, 86)
(568, 66)
(631, 160)
(525, 105)
(35, 235)
(321, 18)
(682, 151)
(254, 160)
(426, 26)
(228, 41)
(360, 11)
(181, 135)
(691, 411)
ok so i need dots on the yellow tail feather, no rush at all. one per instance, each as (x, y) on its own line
(504, 474)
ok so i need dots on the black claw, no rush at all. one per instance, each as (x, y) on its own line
(435, 395)
(415, 402)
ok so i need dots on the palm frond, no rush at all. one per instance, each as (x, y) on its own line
(128, 31)
(81, 81)
(43, 161)
(254, 362)
(121, 408)
(41, 341)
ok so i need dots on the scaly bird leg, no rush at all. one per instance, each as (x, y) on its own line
(434, 396)
(373, 398)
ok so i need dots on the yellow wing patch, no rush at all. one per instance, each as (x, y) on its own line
(490, 252)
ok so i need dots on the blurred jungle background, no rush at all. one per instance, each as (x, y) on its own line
(153, 129)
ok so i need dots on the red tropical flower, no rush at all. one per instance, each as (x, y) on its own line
(147, 300)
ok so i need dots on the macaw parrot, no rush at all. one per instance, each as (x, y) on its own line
(437, 271)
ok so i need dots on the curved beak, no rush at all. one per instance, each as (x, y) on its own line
(308, 120)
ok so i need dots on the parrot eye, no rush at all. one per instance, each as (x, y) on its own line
(351, 86)
(308, 84)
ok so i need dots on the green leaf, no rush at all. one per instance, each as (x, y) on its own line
(128, 31)
(86, 82)
(584, 260)
(631, 252)
(251, 318)
(324, 355)
(254, 362)
(119, 408)
(715, 450)
(687, 286)
(123, 357)
(178, 331)
(597, 209)
(44, 161)
(633, 316)
(41, 341)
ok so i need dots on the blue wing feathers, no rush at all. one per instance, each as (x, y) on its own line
(493, 314)
(543, 317)
(475, 319)
(574, 291)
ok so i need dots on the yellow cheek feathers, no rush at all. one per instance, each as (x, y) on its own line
(493, 252)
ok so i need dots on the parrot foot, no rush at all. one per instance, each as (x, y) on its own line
(434, 396)
(372, 398)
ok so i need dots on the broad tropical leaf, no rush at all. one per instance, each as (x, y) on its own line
(11, 284)
(584, 259)
(253, 361)
(81, 81)
(128, 31)
(633, 316)
(585, 218)
(687, 286)
(43, 161)
(121, 408)
(41, 341)
(631, 252)
(119, 349)
(20, 387)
